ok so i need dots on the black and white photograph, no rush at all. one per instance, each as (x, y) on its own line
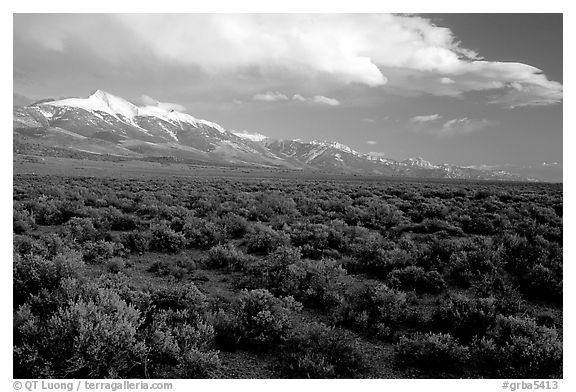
(310, 195)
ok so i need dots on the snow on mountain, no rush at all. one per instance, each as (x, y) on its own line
(419, 163)
(101, 101)
(111, 125)
(173, 117)
(336, 145)
(255, 137)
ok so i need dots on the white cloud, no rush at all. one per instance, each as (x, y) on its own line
(456, 126)
(270, 96)
(149, 101)
(371, 142)
(404, 52)
(459, 126)
(318, 99)
(518, 95)
(426, 118)
(275, 96)
(325, 100)
(350, 48)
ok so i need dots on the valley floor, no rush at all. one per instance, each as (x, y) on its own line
(240, 273)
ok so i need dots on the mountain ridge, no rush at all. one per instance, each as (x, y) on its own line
(103, 122)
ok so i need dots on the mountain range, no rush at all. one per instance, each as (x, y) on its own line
(110, 126)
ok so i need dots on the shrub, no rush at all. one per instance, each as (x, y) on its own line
(434, 253)
(542, 282)
(381, 216)
(273, 273)
(260, 319)
(201, 233)
(185, 296)
(318, 351)
(188, 264)
(166, 240)
(469, 267)
(46, 245)
(485, 224)
(433, 283)
(464, 318)
(366, 245)
(516, 347)
(228, 332)
(26, 245)
(46, 211)
(415, 278)
(263, 240)
(168, 268)
(115, 265)
(234, 225)
(31, 274)
(272, 204)
(121, 221)
(317, 283)
(385, 261)
(87, 338)
(22, 221)
(537, 265)
(136, 241)
(311, 238)
(198, 364)
(508, 298)
(180, 346)
(229, 257)
(53, 244)
(98, 252)
(378, 310)
(80, 230)
(434, 354)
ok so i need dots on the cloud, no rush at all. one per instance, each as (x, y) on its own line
(401, 53)
(149, 101)
(371, 142)
(459, 126)
(518, 95)
(318, 99)
(275, 96)
(325, 100)
(270, 96)
(425, 119)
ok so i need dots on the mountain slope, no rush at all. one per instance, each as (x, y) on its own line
(146, 131)
(109, 125)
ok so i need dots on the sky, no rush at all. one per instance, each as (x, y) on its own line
(466, 89)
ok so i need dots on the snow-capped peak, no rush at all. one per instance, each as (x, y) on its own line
(255, 137)
(419, 162)
(336, 145)
(173, 116)
(102, 101)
